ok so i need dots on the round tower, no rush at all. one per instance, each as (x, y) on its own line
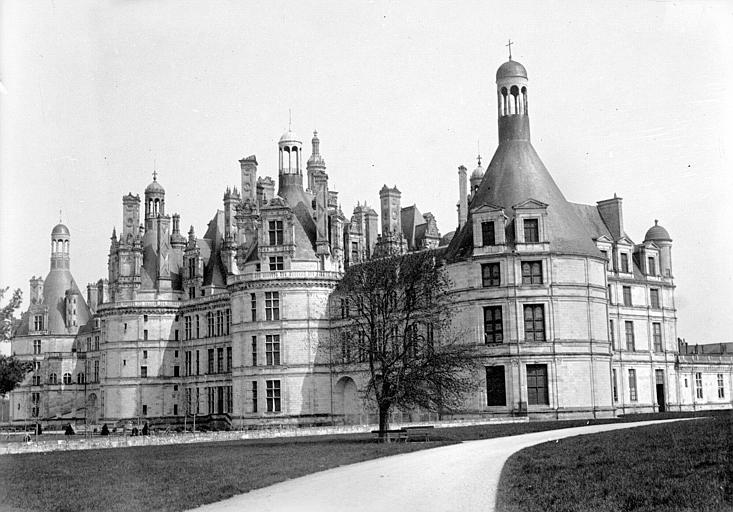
(60, 241)
(154, 199)
(661, 238)
(511, 94)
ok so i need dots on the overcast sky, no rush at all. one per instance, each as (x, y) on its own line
(632, 98)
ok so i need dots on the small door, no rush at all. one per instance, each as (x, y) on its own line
(659, 378)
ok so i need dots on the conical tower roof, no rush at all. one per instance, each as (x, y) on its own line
(516, 174)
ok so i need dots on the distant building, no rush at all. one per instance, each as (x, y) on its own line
(569, 316)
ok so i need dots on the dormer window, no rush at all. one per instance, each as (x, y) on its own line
(38, 322)
(651, 266)
(276, 232)
(489, 229)
(530, 226)
(531, 231)
(488, 233)
(624, 262)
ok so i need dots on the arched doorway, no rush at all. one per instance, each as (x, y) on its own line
(347, 401)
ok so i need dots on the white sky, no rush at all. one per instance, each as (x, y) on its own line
(632, 98)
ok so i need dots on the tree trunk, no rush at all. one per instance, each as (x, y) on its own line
(383, 420)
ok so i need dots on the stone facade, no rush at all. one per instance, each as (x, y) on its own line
(568, 316)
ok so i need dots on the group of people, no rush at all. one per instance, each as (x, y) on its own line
(69, 431)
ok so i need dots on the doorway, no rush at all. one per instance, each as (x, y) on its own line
(659, 378)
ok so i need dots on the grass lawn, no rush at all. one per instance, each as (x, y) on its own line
(178, 477)
(684, 466)
(173, 477)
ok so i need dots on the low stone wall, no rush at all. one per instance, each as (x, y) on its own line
(99, 442)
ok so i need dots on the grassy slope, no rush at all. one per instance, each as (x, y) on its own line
(173, 477)
(685, 466)
(177, 477)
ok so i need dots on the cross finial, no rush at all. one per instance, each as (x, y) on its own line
(155, 175)
(510, 48)
(60, 217)
(478, 148)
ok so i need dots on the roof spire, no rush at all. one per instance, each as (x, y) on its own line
(510, 48)
(60, 217)
(478, 147)
(290, 119)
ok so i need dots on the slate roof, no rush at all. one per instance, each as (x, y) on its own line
(515, 175)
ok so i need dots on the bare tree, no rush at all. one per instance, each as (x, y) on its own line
(395, 324)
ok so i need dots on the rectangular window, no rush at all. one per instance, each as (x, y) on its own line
(627, 296)
(188, 362)
(254, 396)
(537, 385)
(175, 409)
(615, 387)
(176, 371)
(273, 396)
(145, 334)
(632, 386)
(493, 325)
(198, 327)
(698, 385)
(610, 294)
(276, 263)
(210, 395)
(254, 350)
(198, 401)
(275, 232)
(96, 371)
(145, 354)
(37, 346)
(605, 255)
(210, 329)
(191, 268)
(228, 315)
(38, 322)
(220, 360)
(531, 272)
(198, 367)
(272, 305)
(490, 275)
(721, 386)
(624, 262)
(654, 298)
(219, 323)
(354, 251)
(630, 342)
(531, 231)
(495, 386)
(145, 410)
(651, 266)
(534, 322)
(187, 328)
(657, 337)
(272, 350)
(143, 372)
(211, 361)
(488, 236)
(229, 359)
(612, 333)
(253, 306)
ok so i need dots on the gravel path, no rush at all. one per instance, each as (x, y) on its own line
(449, 478)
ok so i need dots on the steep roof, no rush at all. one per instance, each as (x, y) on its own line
(515, 175)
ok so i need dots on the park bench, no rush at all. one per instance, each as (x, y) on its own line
(397, 434)
(418, 432)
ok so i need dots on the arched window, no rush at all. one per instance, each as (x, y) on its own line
(53, 379)
(524, 100)
(67, 378)
(504, 102)
(515, 99)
